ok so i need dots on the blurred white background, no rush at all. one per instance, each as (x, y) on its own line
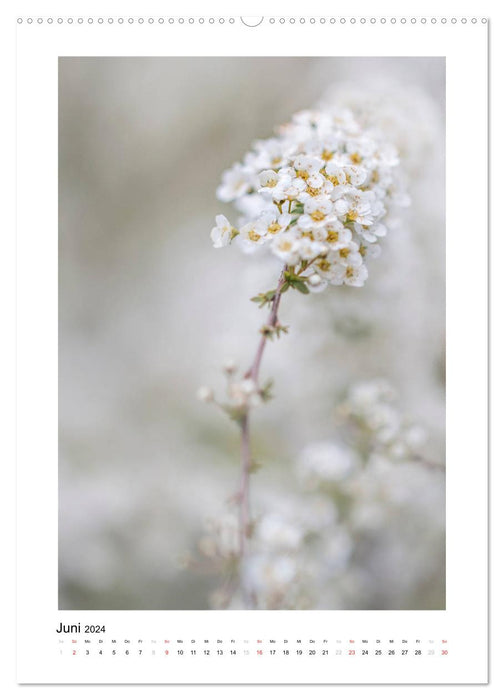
(149, 311)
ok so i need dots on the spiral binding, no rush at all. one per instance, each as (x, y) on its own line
(251, 22)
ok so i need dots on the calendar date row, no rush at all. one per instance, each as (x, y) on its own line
(258, 652)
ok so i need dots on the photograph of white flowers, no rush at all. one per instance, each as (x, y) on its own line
(252, 333)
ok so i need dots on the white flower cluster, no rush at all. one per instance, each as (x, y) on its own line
(296, 541)
(352, 507)
(407, 114)
(370, 407)
(316, 194)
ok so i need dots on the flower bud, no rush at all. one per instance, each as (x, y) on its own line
(248, 387)
(205, 394)
(315, 280)
(230, 366)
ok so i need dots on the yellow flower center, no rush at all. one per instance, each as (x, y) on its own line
(355, 158)
(274, 227)
(324, 265)
(332, 236)
(253, 235)
(326, 155)
(317, 215)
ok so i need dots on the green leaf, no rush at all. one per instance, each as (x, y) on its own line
(264, 298)
(266, 392)
(300, 286)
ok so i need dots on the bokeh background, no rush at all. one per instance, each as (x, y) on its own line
(149, 311)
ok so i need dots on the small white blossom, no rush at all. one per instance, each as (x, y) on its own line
(369, 250)
(370, 233)
(306, 165)
(355, 276)
(286, 247)
(253, 235)
(347, 255)
(318, 213)
(235, 183)
(336, 235)
(291, 189)
(309, 249)
(222, 233)
(268, 180)
(274, 224)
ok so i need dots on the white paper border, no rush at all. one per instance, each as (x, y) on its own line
(464, 622)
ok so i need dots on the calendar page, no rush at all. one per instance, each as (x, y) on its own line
(252, 349)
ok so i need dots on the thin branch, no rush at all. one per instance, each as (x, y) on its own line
(253, 372)
(246, 454)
